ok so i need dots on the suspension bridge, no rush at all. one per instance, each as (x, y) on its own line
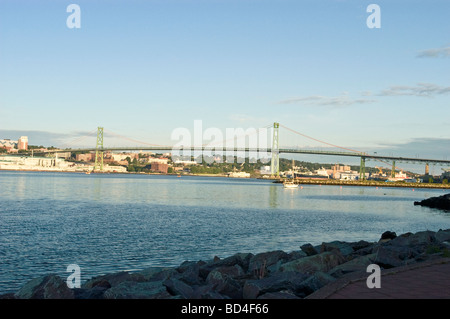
(275, 150)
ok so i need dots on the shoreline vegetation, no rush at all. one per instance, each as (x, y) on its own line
(268, 275)
(300, 181)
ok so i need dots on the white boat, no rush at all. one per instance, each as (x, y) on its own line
(290, 184)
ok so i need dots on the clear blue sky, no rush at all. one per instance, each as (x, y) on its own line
(144, 68)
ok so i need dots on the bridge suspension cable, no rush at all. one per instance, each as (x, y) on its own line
(132, 140)
(337, 146)
(320, 141)
(78, 139)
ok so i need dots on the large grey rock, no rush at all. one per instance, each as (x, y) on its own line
(268, 261)
(440, 202)
(157, 273)
(224, 284)
(309, 249)
(207, 292)
(314, 282)
(190, 273)
(234, 272)
(137, 290)
(297, 254)
(309, 265)
(345, 248)
(442, 235)
(359, 245)
(45, 287)
(387, 235)
(111, 280)
(179, 288)
(93, 293)
(423, 238)
(276, 282)
(393, 256)
(359, 263)
(241, 259)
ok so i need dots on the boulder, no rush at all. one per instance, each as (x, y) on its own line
(190, 273)
(224, 284)
(314, 283)
(343, 247)
(111, 280)
(442, 235)
(259, 263)
(387, 236)
(178, 288)
(321, 262)
(207, 292)
(277, 282)
(94, 293)
(393, 256)
(440, 202)
(45, 287)
(423, 238)
(309, 249)
(297, 254)
(241, 259)
(362, 244)
(359, 263)
(157, 273)
(137, 290)
(234, 272)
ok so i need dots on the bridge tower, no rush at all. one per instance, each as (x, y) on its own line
(99, 150)
(362, 169)
(393, 169)
(275, 164)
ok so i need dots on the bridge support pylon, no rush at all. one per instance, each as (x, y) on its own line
(99, 150)
(275, 164)
(393, 169)
(362, 169)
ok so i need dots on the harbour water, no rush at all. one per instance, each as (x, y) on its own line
(112, 222)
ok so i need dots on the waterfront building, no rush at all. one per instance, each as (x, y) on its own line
(265, 170)
(239, 174)
(159, 167)
(22, 143)
(160, 160)
(89, 157)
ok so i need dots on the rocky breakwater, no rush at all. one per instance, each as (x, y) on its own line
(441, 202)
(268, 275)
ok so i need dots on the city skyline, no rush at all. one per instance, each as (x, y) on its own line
(145, 68)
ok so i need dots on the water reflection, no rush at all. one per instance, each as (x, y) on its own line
(273, 196)
(106, 223)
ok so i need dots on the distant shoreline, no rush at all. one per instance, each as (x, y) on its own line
(329, 182)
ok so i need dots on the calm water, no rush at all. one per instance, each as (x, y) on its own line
(108, 223)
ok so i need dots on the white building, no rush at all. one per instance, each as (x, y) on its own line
(265, 170)
(22, 143)
(239, 174)
(8, 143)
